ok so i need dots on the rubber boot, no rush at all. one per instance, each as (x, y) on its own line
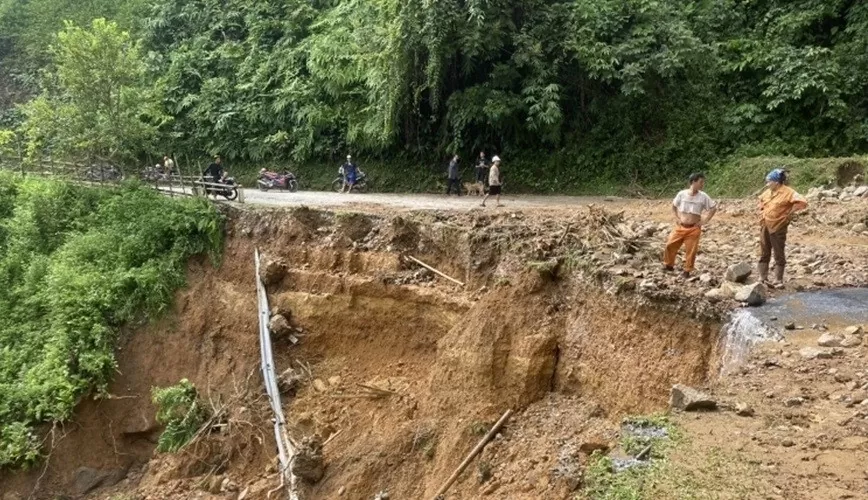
(763, 270)
(779, 277)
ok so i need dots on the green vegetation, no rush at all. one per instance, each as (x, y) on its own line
(75, 264)
(179, 409)
(576, 95)
(601, 482)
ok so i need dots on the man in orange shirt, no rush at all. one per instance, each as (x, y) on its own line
(777, 205)
(687, 209)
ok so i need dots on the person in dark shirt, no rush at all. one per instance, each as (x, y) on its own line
(453, 177)
(481, 169)
(214, 173)
(349, 171)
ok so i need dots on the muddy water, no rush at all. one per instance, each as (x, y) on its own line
(747, 327)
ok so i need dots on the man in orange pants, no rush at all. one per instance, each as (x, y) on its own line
(687, 208)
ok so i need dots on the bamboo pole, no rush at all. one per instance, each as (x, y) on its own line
(472, 455)
(435, 271)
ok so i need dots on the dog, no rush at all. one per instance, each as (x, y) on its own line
(474, 188)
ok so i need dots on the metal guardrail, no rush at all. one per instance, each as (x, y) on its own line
(285, 448)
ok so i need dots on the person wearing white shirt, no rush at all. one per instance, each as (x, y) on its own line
(687, 210)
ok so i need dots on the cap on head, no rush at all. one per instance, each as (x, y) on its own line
(496, 159)
(349, 157)
(777, 175)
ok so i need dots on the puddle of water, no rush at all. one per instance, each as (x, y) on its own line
(747, 327)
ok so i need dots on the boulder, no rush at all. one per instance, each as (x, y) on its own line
(714, 295)
(272, 271)
(859, 228)
(86, 479)
(752, 295)
(687, 398)
(815, 353)
(743, 410)
(308, 463)
(861, 191)
(853, 330)
(851, 341)
(738, 273)
(728, 289)
(279, 325)
(829, 340)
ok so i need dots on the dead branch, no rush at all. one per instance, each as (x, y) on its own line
(435, 271)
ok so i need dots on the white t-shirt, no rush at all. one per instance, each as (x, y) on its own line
(494, 176)
(693, 203)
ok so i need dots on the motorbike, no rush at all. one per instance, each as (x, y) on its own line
(228, 189)
(269, 180)
(156, 173)
(361, 185)
(103, 173)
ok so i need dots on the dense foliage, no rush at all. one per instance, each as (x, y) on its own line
(75, 264)
(181, 411)
(570, 89)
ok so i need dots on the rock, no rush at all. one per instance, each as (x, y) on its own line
(860, 191)
(843, 378)
(648, 285)
(790, 326)
(215, 484)
(279, 326)
(714, 295)
(86, 479)
(853, 330)
(791, 402)
(320, 386)
(308, 463)
(752, 295)
(272, 271)
(243, 494)
(383, 495)
(706, 279)
(728, 290)
(288, 381)
(829, 340)
(815, 353)
(788, 443)
(738, 273)
(858, 397)
(342, 490)
(851, 341)
(859, 228)
(743, 410)
(335, 381)
(687, 398)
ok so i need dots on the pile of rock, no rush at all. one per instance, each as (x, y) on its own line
(737, 285)
(838, 194)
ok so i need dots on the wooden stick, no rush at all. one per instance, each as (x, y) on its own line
(472, 455)
(426, 266)
(376, 389)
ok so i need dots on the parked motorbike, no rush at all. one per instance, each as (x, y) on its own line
(156, 173)
(103, 173)
(361, 184)
(272, 180)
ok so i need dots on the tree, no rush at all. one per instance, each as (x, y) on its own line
(97, 102)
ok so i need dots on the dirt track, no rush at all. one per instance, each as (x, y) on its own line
(325, 199)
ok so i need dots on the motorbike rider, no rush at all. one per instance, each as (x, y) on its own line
(215, 172)
(349, 170)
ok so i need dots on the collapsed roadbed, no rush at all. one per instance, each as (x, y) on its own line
(392, 373)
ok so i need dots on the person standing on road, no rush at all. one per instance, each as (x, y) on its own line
(777, 205)
(481, 169)
(687, 209)
(452, 177)
(349, 171)
(168, 165)
(494, 181)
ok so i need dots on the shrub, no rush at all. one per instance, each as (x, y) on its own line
(179, 409)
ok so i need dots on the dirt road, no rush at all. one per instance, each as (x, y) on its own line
(327, 199)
